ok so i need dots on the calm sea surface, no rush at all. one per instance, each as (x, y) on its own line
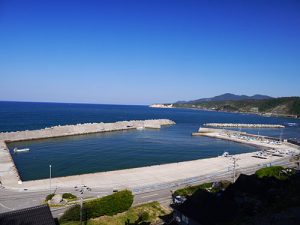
(119, 150)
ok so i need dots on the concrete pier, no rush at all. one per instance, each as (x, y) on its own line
(248, 139)
(9, 176)
(243, 125)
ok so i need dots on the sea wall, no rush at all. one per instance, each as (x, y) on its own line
(79, 129)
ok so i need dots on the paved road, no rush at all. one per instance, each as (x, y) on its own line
(12, 200)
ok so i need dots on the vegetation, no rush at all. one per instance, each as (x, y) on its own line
(69, 196)
(49, 197)
(275, 106)
(108, 205)
(187, 191)
(211, 187)
(143, 214)
(277, 172)
(271, 196)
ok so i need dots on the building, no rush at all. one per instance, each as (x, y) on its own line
(38, 215)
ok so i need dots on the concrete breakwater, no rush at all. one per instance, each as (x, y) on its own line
(243, 125)
(78, 129)
(9, 175)
(249, 139)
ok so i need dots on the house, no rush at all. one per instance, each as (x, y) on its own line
(38, 215)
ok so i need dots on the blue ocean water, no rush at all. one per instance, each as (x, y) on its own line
(119, 150)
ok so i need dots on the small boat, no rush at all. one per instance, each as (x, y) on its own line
(16, 150)
(225, 154)
(292, 124)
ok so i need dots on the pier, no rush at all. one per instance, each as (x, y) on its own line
(243, 125)
(9, 175)
(248, 139)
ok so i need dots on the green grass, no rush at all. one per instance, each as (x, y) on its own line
(277, 172)
(187, 191)
(150, 212)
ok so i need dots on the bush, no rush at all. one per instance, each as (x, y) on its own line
(68, 196)
(108, 205)
(144, 216)
(191, 189)
(49, 197)
(273, 171)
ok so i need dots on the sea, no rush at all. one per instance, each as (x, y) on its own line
(122, 149)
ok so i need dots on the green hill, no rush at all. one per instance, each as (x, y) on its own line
(286, 106)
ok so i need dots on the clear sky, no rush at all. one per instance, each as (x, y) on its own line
(147, 51)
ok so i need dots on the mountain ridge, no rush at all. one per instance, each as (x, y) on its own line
(227, 97)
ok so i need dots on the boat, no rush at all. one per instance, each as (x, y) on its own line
(292, 124)
(225, 154)
(16, 150)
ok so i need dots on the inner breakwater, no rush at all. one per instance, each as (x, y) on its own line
(243, 125)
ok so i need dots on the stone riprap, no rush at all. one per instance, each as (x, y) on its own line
(8, 172)
(243, 125)
(78, 129)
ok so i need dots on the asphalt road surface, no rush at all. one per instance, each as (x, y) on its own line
(13, 200)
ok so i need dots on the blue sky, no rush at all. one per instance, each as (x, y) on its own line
(146, 51)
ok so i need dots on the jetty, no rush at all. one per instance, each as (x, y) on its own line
(80, 129)
(249, 139)
(8, 172)
(243, 125)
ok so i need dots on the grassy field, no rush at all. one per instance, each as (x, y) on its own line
(149, 213)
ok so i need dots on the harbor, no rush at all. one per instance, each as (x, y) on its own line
(154, 176)
(9, 175)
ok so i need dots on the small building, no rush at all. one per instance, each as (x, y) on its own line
(38, 215)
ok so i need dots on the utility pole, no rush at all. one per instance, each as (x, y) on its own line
(281, 131)
(81, 189)
(50, 171)
(234, 167)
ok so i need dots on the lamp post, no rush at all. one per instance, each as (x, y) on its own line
(81, 189)
(50, 171)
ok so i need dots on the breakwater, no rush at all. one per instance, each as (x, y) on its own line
(243, 125)
(79, 129)
(249, 139)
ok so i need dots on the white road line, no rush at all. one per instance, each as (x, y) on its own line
(148, 196)
(5, 206)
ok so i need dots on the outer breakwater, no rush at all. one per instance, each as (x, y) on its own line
(243, 125)
(9, 175)
(79, 129)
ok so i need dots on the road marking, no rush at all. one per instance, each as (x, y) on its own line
(6, 207)
(149, 196)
